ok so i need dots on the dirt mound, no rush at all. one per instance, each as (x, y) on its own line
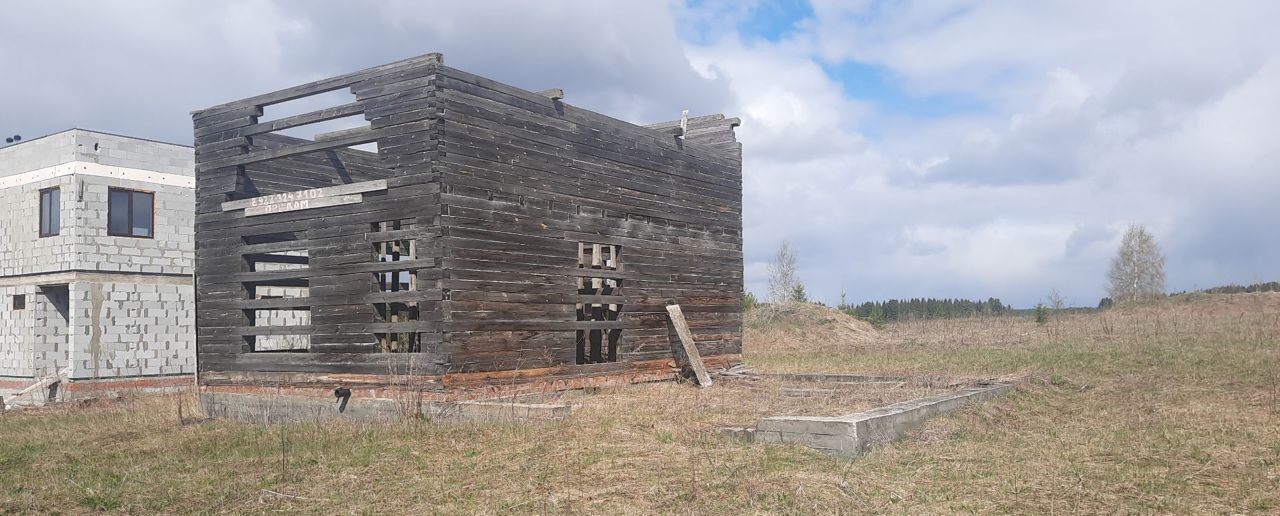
(803, 325)
(1202, 304)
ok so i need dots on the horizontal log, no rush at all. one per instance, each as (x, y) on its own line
(320, 86)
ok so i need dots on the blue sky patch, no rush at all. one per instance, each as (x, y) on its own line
(774, 19)
(876, 84)
(769, 20)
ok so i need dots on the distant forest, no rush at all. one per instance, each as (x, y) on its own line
(878, 312)
(930, 308)
(1270, 286)
(908, 309)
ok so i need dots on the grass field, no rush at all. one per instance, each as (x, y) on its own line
(1169, 407)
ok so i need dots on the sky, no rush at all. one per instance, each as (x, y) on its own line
(909, 148)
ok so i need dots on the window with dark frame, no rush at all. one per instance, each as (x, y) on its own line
(50, 211)
(130, 213)
(19, 301)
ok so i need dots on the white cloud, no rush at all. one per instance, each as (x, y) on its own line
(1100, 115)
(140, 67)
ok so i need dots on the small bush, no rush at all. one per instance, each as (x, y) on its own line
(798, 294)
(1042, 313)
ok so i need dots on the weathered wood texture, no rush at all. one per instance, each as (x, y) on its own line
(691, 356)
(515, 231)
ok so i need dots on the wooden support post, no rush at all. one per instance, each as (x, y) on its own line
(690, 350)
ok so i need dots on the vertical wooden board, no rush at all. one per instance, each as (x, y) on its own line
(690, 349)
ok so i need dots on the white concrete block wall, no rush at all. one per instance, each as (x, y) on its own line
(172, 248)
(150, 329)
(16, 331)
(22, 250)
(34, 339)
(38, 153)
(123, 151)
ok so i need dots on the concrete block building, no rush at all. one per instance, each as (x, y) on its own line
(96, 263)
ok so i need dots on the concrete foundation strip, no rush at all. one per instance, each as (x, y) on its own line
(254, 408)
(855, 434)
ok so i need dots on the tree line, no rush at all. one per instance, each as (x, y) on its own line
(923, 308)
(1136, 273)
(1237, 288)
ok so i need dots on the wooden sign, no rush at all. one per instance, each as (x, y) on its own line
(305, 199)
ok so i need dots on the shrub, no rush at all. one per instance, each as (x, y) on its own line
(1042, 313)
(798, 295)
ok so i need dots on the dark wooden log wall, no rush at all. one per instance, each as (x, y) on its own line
(239, 157)
(528, 178)
(500, 186)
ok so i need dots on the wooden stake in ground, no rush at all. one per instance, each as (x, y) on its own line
(690, 350)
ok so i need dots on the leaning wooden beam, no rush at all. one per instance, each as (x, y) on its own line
(690, 349)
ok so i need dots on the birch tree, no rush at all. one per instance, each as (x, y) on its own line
(1137, 272)
(783, 278)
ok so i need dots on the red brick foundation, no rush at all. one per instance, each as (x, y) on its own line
(143, 383)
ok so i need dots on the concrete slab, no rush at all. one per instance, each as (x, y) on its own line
(855, 434)
(837, 378)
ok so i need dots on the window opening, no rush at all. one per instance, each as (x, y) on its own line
(596, 346)
(395, 280)
(281, 316)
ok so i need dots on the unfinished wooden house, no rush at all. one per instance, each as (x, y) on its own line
(467, 238)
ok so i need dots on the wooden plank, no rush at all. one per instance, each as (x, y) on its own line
(365, 135)
(322, 115)
(302, 204)
(690, 349)
(320, 86)
(42, 383)
(339, 134)
(314, 193)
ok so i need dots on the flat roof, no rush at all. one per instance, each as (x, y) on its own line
(24, 140)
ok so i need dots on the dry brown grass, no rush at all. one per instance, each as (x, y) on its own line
(1172, 407)
(740, 402)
